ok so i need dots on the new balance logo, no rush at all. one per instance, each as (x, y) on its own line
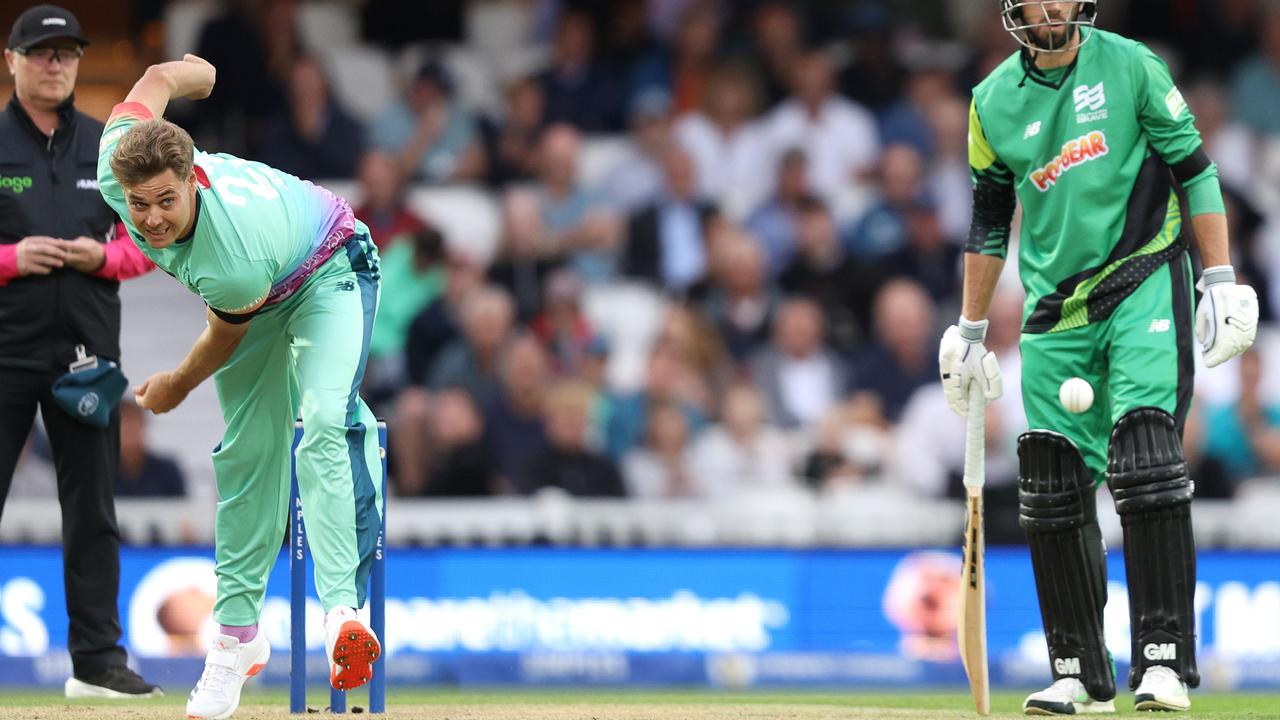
(345, 286)
(1160, 651)
(1158, 326)
(1090, 99)
(1032, 130)
(1066, 666)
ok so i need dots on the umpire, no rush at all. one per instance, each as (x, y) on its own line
(61, 259)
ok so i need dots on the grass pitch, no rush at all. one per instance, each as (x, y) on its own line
(637, 705)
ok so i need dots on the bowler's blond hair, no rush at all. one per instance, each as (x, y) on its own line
(150, 148)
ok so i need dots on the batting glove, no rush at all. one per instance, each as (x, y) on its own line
(963, 359)
(1227, 318)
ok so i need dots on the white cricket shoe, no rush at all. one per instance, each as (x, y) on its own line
(1066, 696)
(226, 667)
(1161, 689)
(352, 648)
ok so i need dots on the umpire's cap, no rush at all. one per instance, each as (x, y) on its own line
(44, 22)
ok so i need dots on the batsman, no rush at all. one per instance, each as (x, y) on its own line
(1087, 130)
(290, 279)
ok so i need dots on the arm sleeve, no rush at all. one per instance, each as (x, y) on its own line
(239, 292)
(123, 259)
(8, 263)
(993, 194)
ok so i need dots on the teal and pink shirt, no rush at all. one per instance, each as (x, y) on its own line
(259, 233)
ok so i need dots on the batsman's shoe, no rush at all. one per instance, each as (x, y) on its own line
(1161, 689)
(228, 664)
(115, 682)
(1066, 696)
(352, 649)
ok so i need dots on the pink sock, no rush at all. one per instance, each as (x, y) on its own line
(243, 633)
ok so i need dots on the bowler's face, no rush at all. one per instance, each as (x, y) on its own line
(162, 207)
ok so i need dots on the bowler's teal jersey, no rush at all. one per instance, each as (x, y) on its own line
(1088, 151)
(259, 233)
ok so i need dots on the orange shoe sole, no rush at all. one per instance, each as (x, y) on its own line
(353, 656)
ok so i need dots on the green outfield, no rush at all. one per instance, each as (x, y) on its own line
(638, 705)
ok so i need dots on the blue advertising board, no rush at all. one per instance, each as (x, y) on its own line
(875, 618)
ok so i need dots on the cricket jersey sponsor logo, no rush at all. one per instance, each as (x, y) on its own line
(1175, 103)
(1032, 130)
(1089, 103)
(1067, 666)
(15, 183)
(1158, 326)
(1160, 651)
(86, 184)
(1089, 146)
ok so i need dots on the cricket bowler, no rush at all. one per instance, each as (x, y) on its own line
(1086, 129)
(290, 279)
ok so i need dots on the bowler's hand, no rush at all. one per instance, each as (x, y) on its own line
(962, 359)
(1227, 318)
(203, 79)
(84, 254)
(40, 255)
(160, 393)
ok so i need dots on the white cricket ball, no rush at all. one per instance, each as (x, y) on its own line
(1076, 395)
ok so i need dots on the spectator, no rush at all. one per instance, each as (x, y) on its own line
(842, 285)
(629, 413)
(775, 222)
(562, 327)
(577, 222)
(799, 377)
(777, 44)
(741, 454)
(1230, 144)
(907, 121)
(471, 362)
(636, 179)
(311, 136)
(383, 207)
(948, 180)
(513, 430)
(1238, 440)
(413, 276)
(462, 465)
(665, 241)
(708, 369)
(1256, 81)
(511, 143)
(693, 50)
(850, 445)
(875, 78)
(432, 136)
(580, 91)
(631, 48)
(902, 358)
(741, 302)
(144, 473)
(568, 463)
(927, 257)
(883, 229)
(662, 467)
(526, 257)
(62, 256)
(838, 136)
(728, 148)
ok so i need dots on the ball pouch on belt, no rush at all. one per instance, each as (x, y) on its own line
(90, 389)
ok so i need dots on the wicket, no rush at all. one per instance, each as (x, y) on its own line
(298, 598)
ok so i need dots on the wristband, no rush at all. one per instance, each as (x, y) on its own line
(972, 332)
(1217, 275)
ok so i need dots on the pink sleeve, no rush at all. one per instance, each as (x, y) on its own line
(123, 259)
(8, 263)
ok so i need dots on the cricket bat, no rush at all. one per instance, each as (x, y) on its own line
(971, 630)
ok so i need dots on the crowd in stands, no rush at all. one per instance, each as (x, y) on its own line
(795, 191)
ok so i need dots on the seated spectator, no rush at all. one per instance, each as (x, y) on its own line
(838, 136)
(513, 431)
(875, 77)
(525, 256)
(883, 229)
(462, 465)
(578, 223)
(382, 200)
(636, 180)
(662, 466)
(903, 356)
(708, 368)
(692, 50)
(1237, 441)
(927, 257)
(413, 276)
(312, 136)
(629, 412)
(728, 148)
(741, 454)
(740, 302)
(432, 136)
(775, 222)
(471, 361)
(908, 120)
(799, 377)
(851, 443)
(511, 142)
(665, 241)
(144, 473)
(568, 463)
(562, 327)
(843, 286)
(777, 41)
(1256, 81)
(579, 90)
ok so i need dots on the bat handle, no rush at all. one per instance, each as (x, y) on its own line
(975, 441)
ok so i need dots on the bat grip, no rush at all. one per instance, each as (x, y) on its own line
(975, 440)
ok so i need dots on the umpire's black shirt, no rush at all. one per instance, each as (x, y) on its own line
(49, 186)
